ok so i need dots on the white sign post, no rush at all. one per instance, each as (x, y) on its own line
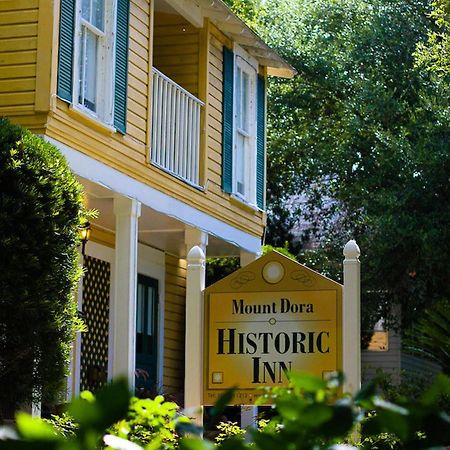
(351, 323)
(193, 378)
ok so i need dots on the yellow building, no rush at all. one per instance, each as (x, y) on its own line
(159, 108)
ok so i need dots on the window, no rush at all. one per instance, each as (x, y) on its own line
(93, 55)
(244, 130)
(243, 157)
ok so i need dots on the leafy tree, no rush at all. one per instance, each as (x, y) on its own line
(434, 55)
(40, 210)
(359, 145)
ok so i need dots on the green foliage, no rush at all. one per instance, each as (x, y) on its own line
(283, 250)
(358, 145)
(248, 10)
(41, 206)
(430, 338)
(229, 430)
(218, 268)
(434, 55)
(150, 421)
(382, 441)
(309, 414)
(63, 424)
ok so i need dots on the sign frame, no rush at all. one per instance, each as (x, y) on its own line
(280, 278)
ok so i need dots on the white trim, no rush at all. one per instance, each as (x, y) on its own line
(152, 263)
(100, 173)
(245, 156)
(105, 61)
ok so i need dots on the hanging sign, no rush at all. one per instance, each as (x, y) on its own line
(266, 319)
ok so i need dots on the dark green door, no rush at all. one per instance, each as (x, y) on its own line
(146, 335)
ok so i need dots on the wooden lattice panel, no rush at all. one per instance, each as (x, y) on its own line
(94, 342)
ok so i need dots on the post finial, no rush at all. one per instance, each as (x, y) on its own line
(196, 255)
(351, 250)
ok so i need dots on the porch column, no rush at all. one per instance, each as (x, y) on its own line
(351, 321)
(196, 242)
(127, 212)
(195, 237)
(249, 413)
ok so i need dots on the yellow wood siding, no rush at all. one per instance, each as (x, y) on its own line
(18, 44)
(176, 50)
(175, 305)
(248, 218)
(138, 67)
(190, 57)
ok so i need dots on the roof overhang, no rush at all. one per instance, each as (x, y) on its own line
(231, 25)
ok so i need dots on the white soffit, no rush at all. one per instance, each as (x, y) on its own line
(116, 181)
(221, 15)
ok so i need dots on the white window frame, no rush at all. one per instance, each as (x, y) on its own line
(105, 63)
(249, 65)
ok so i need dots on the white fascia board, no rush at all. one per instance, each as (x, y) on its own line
(116, 181)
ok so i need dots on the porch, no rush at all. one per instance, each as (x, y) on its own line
(177, 110)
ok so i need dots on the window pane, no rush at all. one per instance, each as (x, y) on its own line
(150, 318)
(240, 164)
(86, 10)
(139, 309)
(238, 97)
(88, 69)
(245, 100)
(98, 12)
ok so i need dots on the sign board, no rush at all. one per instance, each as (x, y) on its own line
(272, 316)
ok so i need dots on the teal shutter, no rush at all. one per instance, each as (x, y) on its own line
(65, 55)
(260, 141)
(121, 67)
(227, 120)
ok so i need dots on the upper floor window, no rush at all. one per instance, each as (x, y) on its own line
(244, 130)
(243, 158)
(93, 52)
(93, 58)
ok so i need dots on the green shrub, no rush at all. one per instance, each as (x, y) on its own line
(228, 430)
(41, 205)
(310, 414)
(150, 421)
(63, 424)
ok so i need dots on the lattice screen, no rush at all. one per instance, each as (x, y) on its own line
(94, 343)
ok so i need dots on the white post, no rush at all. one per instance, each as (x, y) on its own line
(351, 320)
(249, 413)
(193, 379)
(193, 237)
(123, 311)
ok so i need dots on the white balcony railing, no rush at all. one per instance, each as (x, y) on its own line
(175, 129)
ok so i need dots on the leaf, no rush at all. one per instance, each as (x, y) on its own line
(195, 444)
(35, 429)
(232, 443)
(315, 415)
(306, 382)
(183, 427)
(366, 393)
(118, 443)
(222, 402)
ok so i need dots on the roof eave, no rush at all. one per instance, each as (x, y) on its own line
(237, 30)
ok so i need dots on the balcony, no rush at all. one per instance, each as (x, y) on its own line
(175, 129)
